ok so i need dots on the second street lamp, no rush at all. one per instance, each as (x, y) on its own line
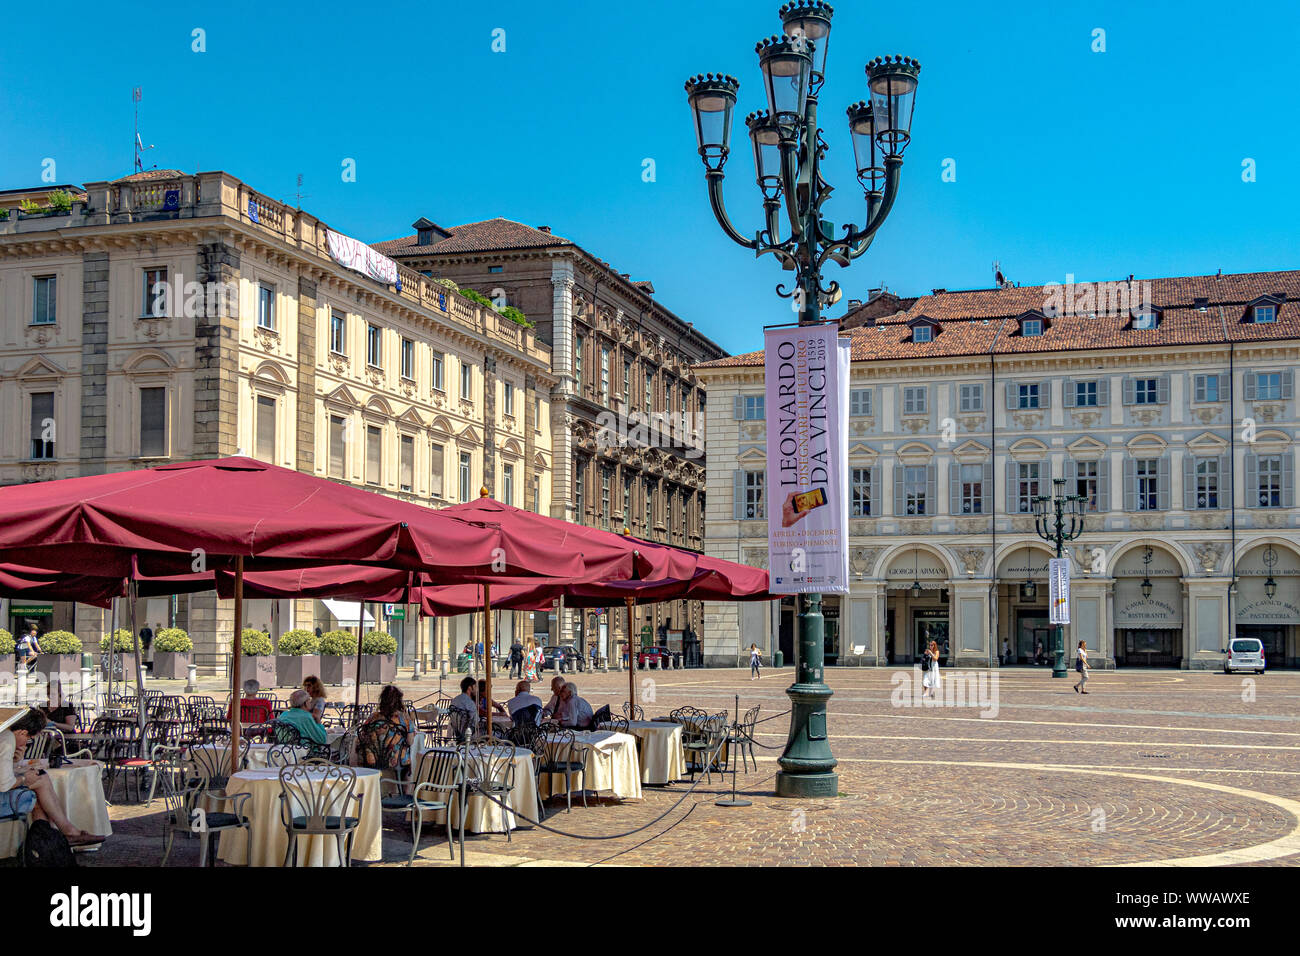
(1058, 518)
(788, 149)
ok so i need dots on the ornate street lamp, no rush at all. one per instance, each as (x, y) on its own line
(1059, 518)
(788, 149)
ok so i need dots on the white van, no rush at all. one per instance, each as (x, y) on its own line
(1244, 654)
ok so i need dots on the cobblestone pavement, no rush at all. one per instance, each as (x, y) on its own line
(1152, 767)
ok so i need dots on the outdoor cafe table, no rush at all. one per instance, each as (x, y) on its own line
(611, 763)
(485, 816)
(79, 786)
(662, 758)
(270, 839)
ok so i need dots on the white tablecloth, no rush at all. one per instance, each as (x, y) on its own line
(485, 816)
(662, 758)
(270, 839)
(80, 790)
(611, 766)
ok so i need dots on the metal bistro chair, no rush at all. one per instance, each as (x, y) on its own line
(210, 762)
(702, 739)
(341, 752)
(744, 738)
(185, 814)
(461, 724)
(633, 711)
(490, 769)
(314, 800)
(160, 734)
(118, 744)
(282, 755)
(441, 773)
(558, 746)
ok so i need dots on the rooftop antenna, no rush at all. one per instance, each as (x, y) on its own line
(136, 95)
(999, 280)
(301, 196)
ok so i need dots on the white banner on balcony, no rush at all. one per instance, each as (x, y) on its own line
(807, 378)
(359, 257)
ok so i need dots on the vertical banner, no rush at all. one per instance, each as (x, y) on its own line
(1058, 579)
(806, 373)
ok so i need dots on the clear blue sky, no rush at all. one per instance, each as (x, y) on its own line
(1067, 161)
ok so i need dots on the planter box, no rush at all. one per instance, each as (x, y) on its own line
(260, 669)
(171, 665)
(290, 669)
(335, 669)
(49, 664)
(378, 668)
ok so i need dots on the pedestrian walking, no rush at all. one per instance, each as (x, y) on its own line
(755, 661)
(1006, 652)
(1038, 651)
(930, 666)
(478, 656)
(516, 659)
(1081, 665)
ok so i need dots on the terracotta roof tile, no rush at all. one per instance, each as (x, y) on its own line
(151, 174)
(970, 323)
(486, 236)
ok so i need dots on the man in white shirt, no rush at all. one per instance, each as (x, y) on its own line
(524, 697)
(465, 699)
(552, 707)
(33, 792)
(574, 711)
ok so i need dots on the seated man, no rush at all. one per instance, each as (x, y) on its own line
(465, 699)
(463, 713)
(33, 793)
(574, 711)
(552, 708)
(299, 717)
(523, 700)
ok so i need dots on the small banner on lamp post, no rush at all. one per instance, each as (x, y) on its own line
(1058, 578)
(807, 379)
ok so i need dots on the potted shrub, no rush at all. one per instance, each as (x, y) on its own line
(378, 658)
(338, 657)
(119, 642)
(296, 655)
(8, 647)
(60, 654)
(257, 658)
(171, 654)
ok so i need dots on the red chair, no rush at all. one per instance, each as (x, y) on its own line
(254, 714)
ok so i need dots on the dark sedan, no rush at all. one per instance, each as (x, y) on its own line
(562, 658)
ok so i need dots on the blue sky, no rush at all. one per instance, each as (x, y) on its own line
(1067, 160)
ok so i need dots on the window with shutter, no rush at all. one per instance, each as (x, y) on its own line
(1044, 394)
(407, 462)
(265, 429)
(860, 492)
(1268, 481)
(1103, 392)
(1130, 485)
(1248, 386)
(1103, 485)
(42, 425)
(437, 454)
(374, 454)
(900, 496)
(153, 422)
(338, 449)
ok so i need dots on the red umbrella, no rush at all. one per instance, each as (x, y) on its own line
(19, 581)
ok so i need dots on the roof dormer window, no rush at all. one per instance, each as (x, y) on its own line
(1146, 319)
(1264, 314)
(1031, 327)
(923, 333)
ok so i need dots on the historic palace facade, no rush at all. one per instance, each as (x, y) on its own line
(627, 408)
(1170, 404)
(263, 343)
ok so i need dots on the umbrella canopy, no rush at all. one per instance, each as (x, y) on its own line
(19, 581)
(161, 521)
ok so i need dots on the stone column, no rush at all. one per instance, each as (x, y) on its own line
(562, 365)
(94, 361)
(1207, 630)
(305, 456)
(969, 622)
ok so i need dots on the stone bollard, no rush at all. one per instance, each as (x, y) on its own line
(191, 678)
(442, 667)
(20, 684)
(415, 670)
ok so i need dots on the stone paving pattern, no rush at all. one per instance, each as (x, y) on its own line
(1151, 766)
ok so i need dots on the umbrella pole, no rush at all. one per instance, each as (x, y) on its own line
(487, 651)
(237, 649)
(361, 627)
(631, 662)
(133, 595)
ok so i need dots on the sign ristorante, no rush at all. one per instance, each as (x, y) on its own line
(807, 393)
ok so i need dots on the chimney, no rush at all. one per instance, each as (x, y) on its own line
(938, 291)
(854, 304)
(545, 229)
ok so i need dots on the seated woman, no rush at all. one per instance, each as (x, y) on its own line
(313, 686)
(32, 792)
(59, 712)
(383, 742)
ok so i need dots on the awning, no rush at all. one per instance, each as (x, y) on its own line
(345, 612)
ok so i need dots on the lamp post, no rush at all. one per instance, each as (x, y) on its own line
(1058, 518)
(788, 149)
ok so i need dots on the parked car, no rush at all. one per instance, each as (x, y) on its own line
(1244, 654)
(658, 655)
(561, 658)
